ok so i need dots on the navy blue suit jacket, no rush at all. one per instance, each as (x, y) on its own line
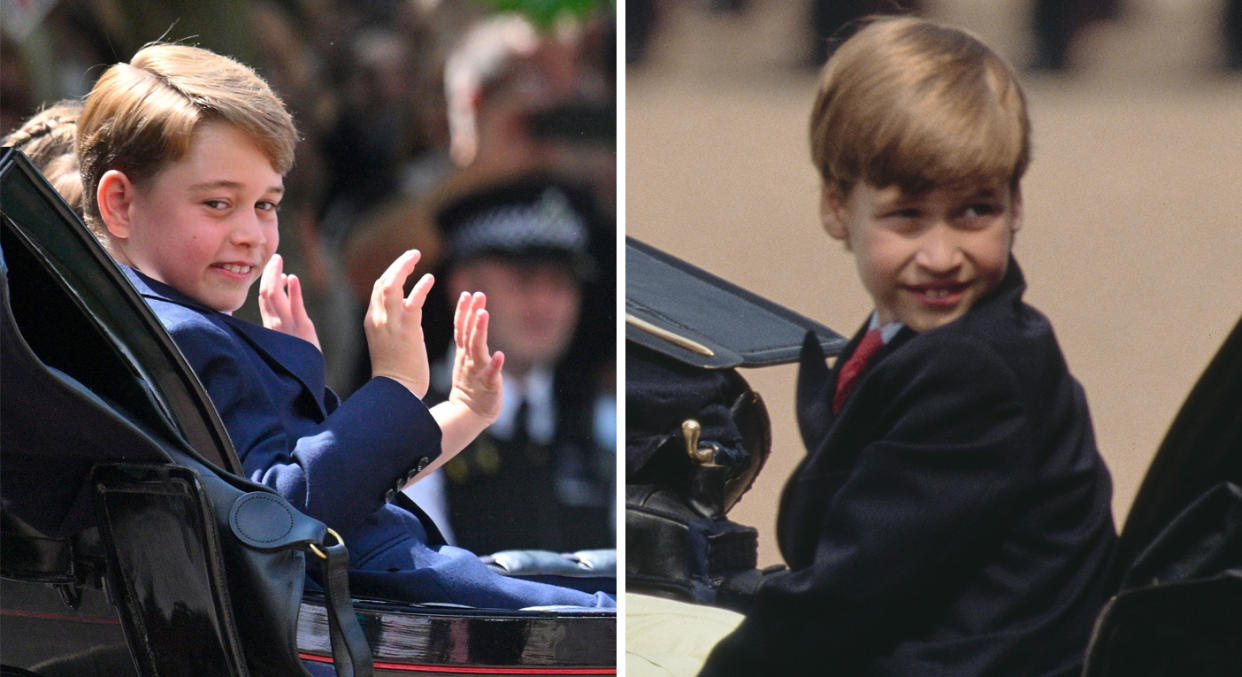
(341, 462)
(953, 519)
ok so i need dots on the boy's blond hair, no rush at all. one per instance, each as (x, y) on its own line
(913, 103)
(141, 115)
(47, 139)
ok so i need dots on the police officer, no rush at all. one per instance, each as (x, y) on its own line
(542, 476)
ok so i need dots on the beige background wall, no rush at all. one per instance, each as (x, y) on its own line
(1132, 242)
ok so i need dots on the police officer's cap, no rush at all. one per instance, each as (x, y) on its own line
(530, 217)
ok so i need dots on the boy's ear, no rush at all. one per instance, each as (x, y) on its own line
(115, 195)
(832, 213)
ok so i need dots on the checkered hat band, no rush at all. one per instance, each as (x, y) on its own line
(549, 223)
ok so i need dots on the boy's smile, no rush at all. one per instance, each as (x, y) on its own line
(206, 223)
(926, 258)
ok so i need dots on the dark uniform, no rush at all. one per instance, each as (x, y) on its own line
(554, 494)
(543, 475)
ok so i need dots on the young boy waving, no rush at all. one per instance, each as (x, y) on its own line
(952, 514)
(183, 153)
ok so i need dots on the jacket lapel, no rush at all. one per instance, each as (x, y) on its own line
(291, 355)
(815, 381)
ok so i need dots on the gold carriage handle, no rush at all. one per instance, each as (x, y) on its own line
(691, 430)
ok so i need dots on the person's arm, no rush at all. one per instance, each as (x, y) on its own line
(374, 442)
(902, 525)
(476, 396)
(339, 469)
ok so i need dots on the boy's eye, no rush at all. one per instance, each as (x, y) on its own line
(267, 206)
(216, 204)
(979, 210)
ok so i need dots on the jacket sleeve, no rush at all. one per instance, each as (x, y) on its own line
(902, 524)
(338, 470)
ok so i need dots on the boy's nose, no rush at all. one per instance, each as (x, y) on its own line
(939, 251)
(248, 230)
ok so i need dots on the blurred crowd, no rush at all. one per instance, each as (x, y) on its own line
(1055, 26)
(407, 108)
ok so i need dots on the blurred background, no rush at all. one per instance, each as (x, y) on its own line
(406, 107)
(1132, 238)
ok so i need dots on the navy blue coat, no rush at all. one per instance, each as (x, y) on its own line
(953, 519)
(341, 462)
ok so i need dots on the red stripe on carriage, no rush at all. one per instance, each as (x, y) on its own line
(97, 620)
(465, 670)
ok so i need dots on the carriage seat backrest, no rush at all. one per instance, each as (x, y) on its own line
(78, 313)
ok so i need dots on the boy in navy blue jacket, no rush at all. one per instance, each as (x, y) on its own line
(183, 153)
(952, 514)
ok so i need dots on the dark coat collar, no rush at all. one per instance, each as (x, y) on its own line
(816, 381)
(297, 357)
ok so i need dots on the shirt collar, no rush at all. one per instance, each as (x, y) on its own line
(887, 331)
(536, 389)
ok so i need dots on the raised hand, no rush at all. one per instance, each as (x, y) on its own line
(474, 402)
(394, 328)
(281, 303)
(477, 376)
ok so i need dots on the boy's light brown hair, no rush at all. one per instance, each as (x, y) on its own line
(915, 104)
(141, 115)
(47, 139)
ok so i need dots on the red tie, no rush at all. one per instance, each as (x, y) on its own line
(853, 368)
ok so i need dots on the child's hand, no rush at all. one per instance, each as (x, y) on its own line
(281, 304)
(476, 374)
(474, 402)
(394, 327)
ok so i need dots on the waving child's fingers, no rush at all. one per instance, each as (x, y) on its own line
(491, 375)
(465, 327)
(460, 315)
(273, 303)
(469, 324)
(271, 273)
(478, 329)
(296, 305)
(418, 295)
(391, 283)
